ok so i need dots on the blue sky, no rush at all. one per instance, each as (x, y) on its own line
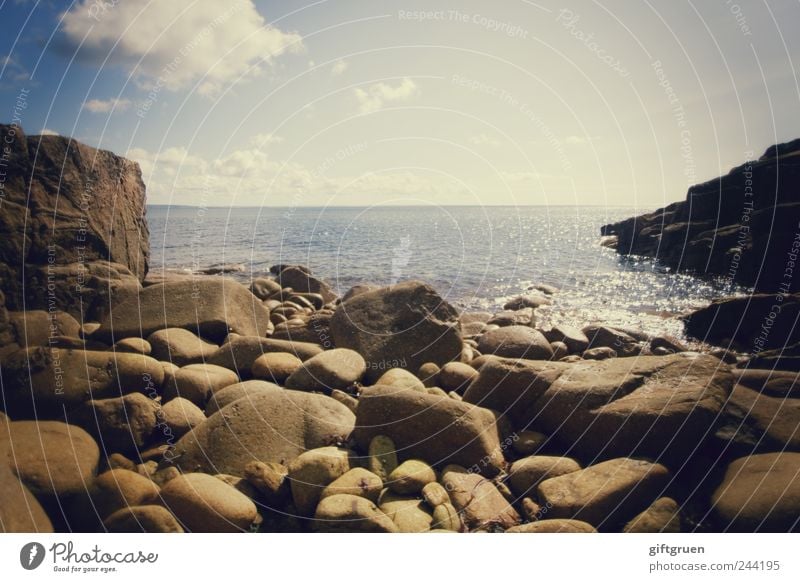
(374, 102)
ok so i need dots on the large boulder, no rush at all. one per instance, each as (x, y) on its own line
(760, 493)
(203, 503)
(66, 203)
(401, 326)
(301, 281)
(44, 381)
(436, 429)
(757, 423)
(605, 495)
(516, 341)
(335, 369)
(660, 407)
(271, 426)
(20, 511)
(211, 307)
(52, 458)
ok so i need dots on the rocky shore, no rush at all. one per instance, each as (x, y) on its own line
(199, 404)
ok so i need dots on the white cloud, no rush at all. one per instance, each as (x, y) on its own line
(375, 96)
(107, 105)
(12, 70)
(46, 131)
(339, 67)
(484, 140)
(261, 140)
(174, 44)
(251, 177)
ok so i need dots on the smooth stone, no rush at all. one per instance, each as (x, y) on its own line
(523, 317)
(435, 494)
(478, 501)
(20, 511)
(313, 471)
(351, 513)
(144, 519)
(197, 382)
(663, 516)
(234, 392)
(51, 458)
(181, 416)
(428, 427)
(276, 426)
(122, 425)
(668, 342)
(275, 367)
(264, 288)
(410, 477)
(516, 341)
(203, 503)
(527, 473)
(209, 306)
(760, 493)
(48, 380)
(357, 481)
(757, 423)
(601, 353)
(447, 518)
(382, 456)
(269, 479)
(456, 376)
(554, 526)
(526, 301)
(575, 340)
(428, 374)
(344, 398)
(120, 488)
(180, 346)
(409, 514)
(36, 327)
(400, 378)
(241, 352)
(337, 369)
(604, 494)
(133, 345)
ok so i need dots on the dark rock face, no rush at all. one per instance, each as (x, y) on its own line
(64, 203)
(744, 225)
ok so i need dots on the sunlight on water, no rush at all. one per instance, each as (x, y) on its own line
(476, 257)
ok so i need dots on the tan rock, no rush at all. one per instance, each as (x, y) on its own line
(604, 494)
(400, 378)
(760, 493)
(382, 459)
(132, 345)
(197, 382)
(338, 369)
(275, 367)
(554, 526)
(181, 416)
(120, 488)
(314, 470)
(477, 500)
(142, 518)
(526, 473)
(410, 514)
(663, 516)
(357, 481)
(351, 513)
(180, 346)
(410, 477)
(203, 503)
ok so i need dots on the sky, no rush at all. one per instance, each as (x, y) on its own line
(365, 102)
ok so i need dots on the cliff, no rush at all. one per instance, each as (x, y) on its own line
(66, 207)
(742, 226)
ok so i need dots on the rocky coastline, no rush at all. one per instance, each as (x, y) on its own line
(199, 404)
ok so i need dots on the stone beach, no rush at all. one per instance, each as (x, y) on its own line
(164, 403)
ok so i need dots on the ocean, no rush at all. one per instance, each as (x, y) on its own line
(476, 257)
